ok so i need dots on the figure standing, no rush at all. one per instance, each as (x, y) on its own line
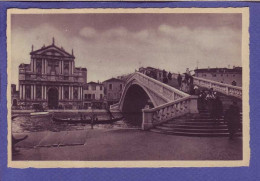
(232, 117)
(179, 79)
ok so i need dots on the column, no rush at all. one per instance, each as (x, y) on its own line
(45, 65)
(42, 92)
(78, 93)
(20, 91)
(32, 92)
(61, 92)
(23, 91)
(42, 67)
(32, 65)
(69, 92)
(45, 92)
(72, 70)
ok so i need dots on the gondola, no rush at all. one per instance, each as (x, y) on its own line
(86, 121)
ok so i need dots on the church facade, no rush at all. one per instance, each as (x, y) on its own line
(51, 79)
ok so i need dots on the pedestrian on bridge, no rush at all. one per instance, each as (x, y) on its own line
(179, 79)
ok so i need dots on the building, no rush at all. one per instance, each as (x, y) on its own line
(93, 95)
(14, 96)
(224, 75)
(113, 90)
(51, 79)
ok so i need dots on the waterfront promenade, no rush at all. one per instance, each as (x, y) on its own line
(124, 144)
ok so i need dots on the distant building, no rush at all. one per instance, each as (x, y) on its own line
(51, 79)
(93, 95)
(14, 96)
(222, 75)
(113, 90)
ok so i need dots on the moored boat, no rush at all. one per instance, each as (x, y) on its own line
(85, 120)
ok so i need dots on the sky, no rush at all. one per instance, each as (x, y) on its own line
(109, 45)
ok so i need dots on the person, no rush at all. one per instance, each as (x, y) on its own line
(232, 118)
(164, 73)
(179, 79)
(201, 100)
(217, 108)
(209, 100)
(169, 76)
(93, 120)
(165, 80)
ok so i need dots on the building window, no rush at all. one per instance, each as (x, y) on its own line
(87, 87)
(101, 96)
(110, 87)
(121, 86)
(53, 65)
(39, 66)
(214, 75)
(93, 96)
(93, 87)
(86, 96)
(75, 93)
(101, 87)
(66, 68)
(234, 75)
(89, 96)
(221, 75)
(38, 92)
(28, 92)
(66, 77)
(66, 92)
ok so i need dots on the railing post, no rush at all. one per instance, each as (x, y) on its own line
(194, 104)
(147, 119)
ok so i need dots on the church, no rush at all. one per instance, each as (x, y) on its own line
(51, 80)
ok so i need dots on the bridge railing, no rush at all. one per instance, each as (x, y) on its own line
(164, 91)
(219, 87)
(168, 111)
(160, 88)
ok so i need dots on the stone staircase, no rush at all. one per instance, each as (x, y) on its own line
(197, 125)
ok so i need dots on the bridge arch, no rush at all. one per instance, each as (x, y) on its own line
(135, 97)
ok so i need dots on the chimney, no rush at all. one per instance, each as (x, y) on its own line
(53, 41)
(32, 48)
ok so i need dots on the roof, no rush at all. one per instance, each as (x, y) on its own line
(79, 68)
(52, 48)
(23, 65)
(219, 70)
(94, 83)
(113, 80)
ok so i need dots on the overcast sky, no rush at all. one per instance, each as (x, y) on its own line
(113, 44)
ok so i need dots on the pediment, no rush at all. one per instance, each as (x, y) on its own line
(52, 51)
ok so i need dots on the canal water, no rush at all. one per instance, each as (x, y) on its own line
(26, 123)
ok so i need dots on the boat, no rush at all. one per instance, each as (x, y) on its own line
(85, 120)
(44, 113)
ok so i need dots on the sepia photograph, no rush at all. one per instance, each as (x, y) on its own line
(128, 87)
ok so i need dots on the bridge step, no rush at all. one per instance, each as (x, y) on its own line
(179, 133)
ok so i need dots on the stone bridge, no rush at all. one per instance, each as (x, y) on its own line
(165, 102)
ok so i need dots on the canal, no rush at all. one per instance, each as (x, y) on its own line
(27, 123)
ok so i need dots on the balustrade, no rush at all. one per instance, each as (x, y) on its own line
(219, 87)
(168, 111)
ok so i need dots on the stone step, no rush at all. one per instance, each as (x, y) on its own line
(195, 126)
(190, 134)
(208, 130)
